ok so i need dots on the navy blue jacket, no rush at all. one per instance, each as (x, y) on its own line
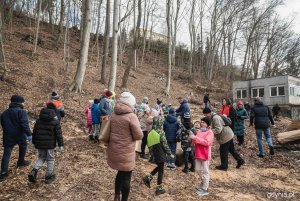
(96, 114)
(171, 126)
(105, 107)
(261, 116)
(184, 107)
(15, 125)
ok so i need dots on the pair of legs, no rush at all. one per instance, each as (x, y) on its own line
(172, 146)
(240, 139)
(259, 140)
(7, 153)
(144, 142)
(189, 157)
(96, 131)
(202, 168)
(122, 184)
(226, 148)
(45, 155)
(160, 170)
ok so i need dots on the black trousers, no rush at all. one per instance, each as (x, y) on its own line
(122, 184)
(240, 139)
(144, 142)
(160, 170)
(224, 149)
(189, 157)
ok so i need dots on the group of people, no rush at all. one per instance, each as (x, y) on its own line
(159, 128)
(45, 136)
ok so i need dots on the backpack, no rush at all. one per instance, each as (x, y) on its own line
(153, 138)
(227, 120)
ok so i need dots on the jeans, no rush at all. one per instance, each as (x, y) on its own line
(96, 130)
(7, 154)
(189, 157)
(160, 170)
(224, 149)
(122, 184)
(259, 139)
(45, 155)
(172, 146)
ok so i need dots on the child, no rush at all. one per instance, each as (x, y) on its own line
(239, 122)
(46, 133)
(88, 113)
(203, 142)
(144, 121)
(158, 147)
(183, 136)
(96, 120)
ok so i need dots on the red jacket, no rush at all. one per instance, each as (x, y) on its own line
(203, 142)
(225, 110)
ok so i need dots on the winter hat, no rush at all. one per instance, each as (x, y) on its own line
(207, 120)
(128, 98)
(145, 99)
(17, 99)
(154, 113)
(157, 123)
(108, 93)
(55, 95)
(206, 110)
(240, 103)
(187, 115)
(171, 111)
(158, 101)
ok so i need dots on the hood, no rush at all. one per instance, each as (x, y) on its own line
(171, 119)
(122, 108)
(14, 105)
(259, 103)
(95, 106)
(47, 114)
(184, 101)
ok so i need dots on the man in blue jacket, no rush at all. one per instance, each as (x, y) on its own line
(171, 126)
(16, 131)
(262, 116)
(183, 108)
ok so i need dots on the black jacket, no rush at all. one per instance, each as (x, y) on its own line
(47, 130)
(261, 116)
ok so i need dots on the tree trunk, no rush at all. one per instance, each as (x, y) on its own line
(169, 21)
(84, 50)
(67, 40)
(114, 62)
(97, 32)
(37, 26)
(289, 136)
(3, 68)
(105, 43)
(61, 21)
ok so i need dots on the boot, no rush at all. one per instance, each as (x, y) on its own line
(91, 137)
(147, 180)
(185, 170)
(160, 190)
(32, 175)
(117, 198)
(23, 164)
(240, 163)
(3, 177)
(271, 150)
(49, 178)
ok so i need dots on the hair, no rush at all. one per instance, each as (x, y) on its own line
(96, 101)
(228, 101)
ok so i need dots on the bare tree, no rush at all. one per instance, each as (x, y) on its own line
(37, 25)
(61, 20)
(169, 3)
(106, 42)
(3, 68)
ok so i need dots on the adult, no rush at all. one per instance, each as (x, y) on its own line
(171, 126)
(56, 100)
(183, 108)
(105, 104)
(145, 121)
(159, 106)
(125, 130)
(275, 111)
(239, 127)
(261, 117)
(224, 136)
(228, 110)
(247, 107)
(16, 131)
(206, 100)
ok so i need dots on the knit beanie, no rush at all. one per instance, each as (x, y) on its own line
(206, 110)
(55, 95)
(187, 115)
(207, 120)
(171, 111)
(128, 98)
(17, 99)
(145, 99)
(239, 103)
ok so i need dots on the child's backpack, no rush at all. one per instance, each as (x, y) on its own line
(183, 137)
(227, 120)
(153, 138)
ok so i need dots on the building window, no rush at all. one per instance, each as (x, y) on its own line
(292, 91)
(241, 93)
(258, 92)
(277, 91)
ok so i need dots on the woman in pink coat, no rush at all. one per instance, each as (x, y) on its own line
(203, 142)
(88, 113)
(125, 129)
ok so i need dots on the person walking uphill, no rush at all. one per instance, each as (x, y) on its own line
(275, 111)
(16, 131)
(183, 108)
(46, 133)
(239, 122)
(261, 116)
(158, 148)
(56, 100)
(125, 130)
(224, 135)
(96, 121)
(171, 126)
(105, 105)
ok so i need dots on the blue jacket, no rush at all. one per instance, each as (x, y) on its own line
(261, 116)
(184, 107)
(96, 113)
(15, 125)
(171, 126)
(105, 107)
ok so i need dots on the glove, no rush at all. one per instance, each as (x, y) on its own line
(60, 149)
(29, 138)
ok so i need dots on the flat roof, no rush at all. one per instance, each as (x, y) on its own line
(267, 78)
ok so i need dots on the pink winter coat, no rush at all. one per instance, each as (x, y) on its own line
(203, 142)
(88, 113)
(125, 130)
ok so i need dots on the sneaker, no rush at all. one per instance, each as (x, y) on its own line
(147, 180)
(240, 163)
(49, 179)
(169, 165)
(3, 177)
(24, 164)
(185, 170)
(160, 190)
(32, 176)
(221, 168)
(261, 156)
(199, 187)
(117, 198)
(173, 166)
(272, 150)
(202, 192)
